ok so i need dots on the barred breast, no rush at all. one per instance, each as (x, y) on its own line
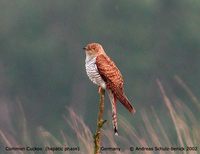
(93, 73)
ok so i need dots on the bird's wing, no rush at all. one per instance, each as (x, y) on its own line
(109, 72)
(113, 79)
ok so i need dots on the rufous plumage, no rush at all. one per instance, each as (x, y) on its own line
(102, 71)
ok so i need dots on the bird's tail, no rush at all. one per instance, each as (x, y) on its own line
(114, 111)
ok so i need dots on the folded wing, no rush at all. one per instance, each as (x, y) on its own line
(113, 79)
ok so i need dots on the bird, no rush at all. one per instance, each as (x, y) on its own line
(103, 72)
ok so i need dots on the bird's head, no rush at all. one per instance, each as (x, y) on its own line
(94, 49)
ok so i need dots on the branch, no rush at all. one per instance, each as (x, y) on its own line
(100, 122)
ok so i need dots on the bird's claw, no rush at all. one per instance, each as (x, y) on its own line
(99, 90)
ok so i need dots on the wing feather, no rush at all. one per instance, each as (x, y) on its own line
(109, 72)
(113, 79)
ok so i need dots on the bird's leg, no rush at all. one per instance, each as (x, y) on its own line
(99, 89)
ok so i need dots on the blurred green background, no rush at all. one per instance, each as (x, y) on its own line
(42, 64)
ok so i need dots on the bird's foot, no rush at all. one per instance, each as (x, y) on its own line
(99, 89)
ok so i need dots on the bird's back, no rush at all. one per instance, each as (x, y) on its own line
(109, 71)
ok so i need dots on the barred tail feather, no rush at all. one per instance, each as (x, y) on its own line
(114, 111)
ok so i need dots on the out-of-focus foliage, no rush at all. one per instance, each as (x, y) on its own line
(42, 61)
(152, 132)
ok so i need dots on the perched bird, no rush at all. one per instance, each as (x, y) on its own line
(102, 71)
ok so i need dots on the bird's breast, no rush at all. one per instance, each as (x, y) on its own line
(93, 73)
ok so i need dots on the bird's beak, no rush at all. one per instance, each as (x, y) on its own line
(84, 48)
